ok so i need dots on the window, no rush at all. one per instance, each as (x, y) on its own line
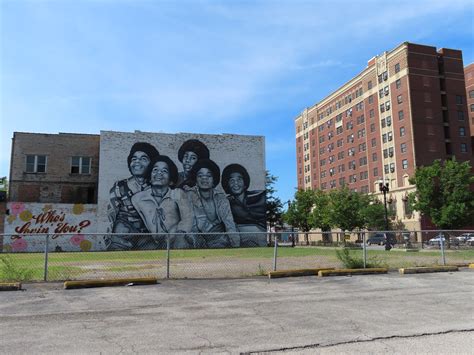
(471, 94)
(364, 175)
(376, 172)
(372, 113)
(462, 131)
(381, 94)
(340, 142)
(389, 121)
(369, 85)
(382, 108)
(461, 115)
(390, 152)
(323, 174)
(400, 115)
(342, 181)
(374, 142)
(385, 153)
(383, 123)
(363, 161)
(80, 165)
(371, 99)
(403, 147)
(397, 67)
(374, 156)
(463, 148)
(384, 137)
(387, 105)
(386, 168)
(322, 162)
(405, 164)
(399, 99)
(392, 167)
(372, 127)
(339, 130)
(362, 147)
(36, 163)
(402, 131)
(398, 84)
(389, 136)
(459, 100)
(472, 107)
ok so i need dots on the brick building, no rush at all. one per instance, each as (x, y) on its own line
(407, 108)
(56, 168)
(469, 76)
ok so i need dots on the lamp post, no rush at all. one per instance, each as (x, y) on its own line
(292, 229)
(384, 188)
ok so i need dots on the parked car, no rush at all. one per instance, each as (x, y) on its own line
(463, 238)
(470, 241)
(437, 240)
(381, 238)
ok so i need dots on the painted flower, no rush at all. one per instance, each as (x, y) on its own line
(78, 208)
(17, 207)
(25, 216)
(11, 218)
(76, 239)
(19, 245)
(85, 245)
(47, 208)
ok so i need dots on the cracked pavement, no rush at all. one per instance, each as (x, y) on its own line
(428, 313)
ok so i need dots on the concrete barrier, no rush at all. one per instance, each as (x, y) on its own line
(344, 272)
(295, 273)
(427, 269)
(110, 282)
(10, 286)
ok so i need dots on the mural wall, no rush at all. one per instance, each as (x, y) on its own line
(181, 183)
(26, 224)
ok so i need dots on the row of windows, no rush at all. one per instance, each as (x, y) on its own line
(38, 164)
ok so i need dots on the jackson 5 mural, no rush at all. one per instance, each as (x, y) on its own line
(195, 205)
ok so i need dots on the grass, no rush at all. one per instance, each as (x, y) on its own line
(69, 266)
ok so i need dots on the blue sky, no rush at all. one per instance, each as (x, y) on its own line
(242, 67)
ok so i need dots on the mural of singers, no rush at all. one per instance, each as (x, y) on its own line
(188, 154)
(164, 209)
(248, 207)
(122, 214)
(211, 208)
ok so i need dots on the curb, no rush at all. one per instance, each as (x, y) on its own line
(344, 272)
(423, 270)
(296, 272)
(10, 286)
(109, 282)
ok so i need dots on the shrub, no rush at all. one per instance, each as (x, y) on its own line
(11, 271)
(354, 261)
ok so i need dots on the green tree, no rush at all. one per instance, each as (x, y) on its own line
(346, 206)
(299, 211)
(320, 215)
(274, 212)
(443, 193)
(373, 213)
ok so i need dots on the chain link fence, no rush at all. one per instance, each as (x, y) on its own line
(45, 257)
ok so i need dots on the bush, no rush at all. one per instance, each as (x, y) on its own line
(354, 261)
(10, 271)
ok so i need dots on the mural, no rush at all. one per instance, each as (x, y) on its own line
(27, 222)
(159, 197)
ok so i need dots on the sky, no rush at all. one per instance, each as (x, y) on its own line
(240, 67)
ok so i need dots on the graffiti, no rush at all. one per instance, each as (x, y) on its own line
(159, 198)
(27, 220)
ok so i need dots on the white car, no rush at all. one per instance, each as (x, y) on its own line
(437, 240)
(463, 238)
(470, 241)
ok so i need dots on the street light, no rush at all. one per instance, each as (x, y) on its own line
(292, 229)
(384, 188)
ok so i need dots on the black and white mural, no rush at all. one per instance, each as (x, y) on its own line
(200, 191)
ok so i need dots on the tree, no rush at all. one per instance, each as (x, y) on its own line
(273, 204)
(320, 215)
(299, 211)
(444, 194)
(373, 213)
(345, 211)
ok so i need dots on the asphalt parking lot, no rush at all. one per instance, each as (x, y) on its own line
(431, 313)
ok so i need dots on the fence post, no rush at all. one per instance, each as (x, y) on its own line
(441, 241)
(46, 247)
(364, 247)
(275, 252)
(167, 256)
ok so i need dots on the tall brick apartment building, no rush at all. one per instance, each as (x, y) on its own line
(56, 168)
(406, 109)
(469, 76)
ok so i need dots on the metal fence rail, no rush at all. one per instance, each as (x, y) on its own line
(170, 257)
